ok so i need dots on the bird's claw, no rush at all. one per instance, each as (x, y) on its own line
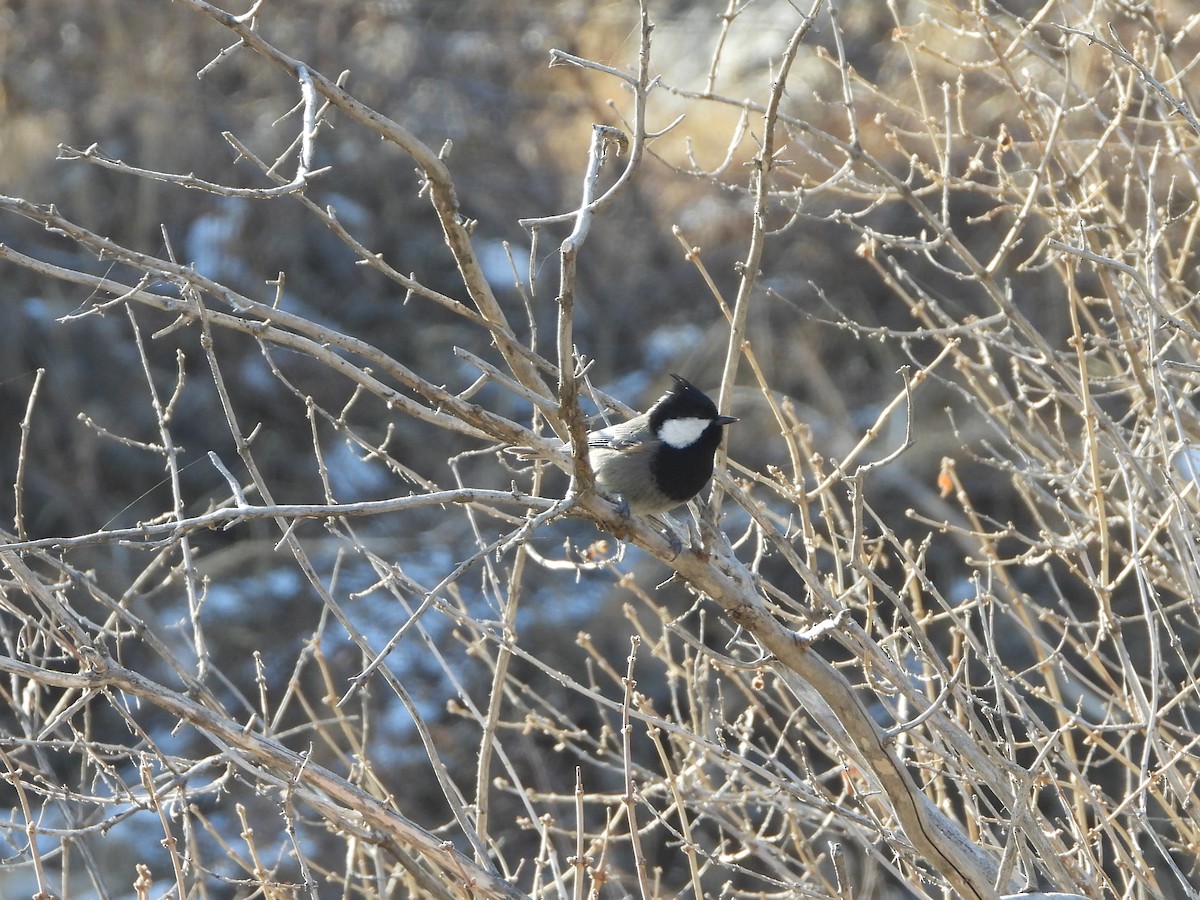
(673, 540)
(667, 530)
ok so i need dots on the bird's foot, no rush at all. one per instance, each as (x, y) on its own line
(667, 529)
(621, 504)
(674, 541)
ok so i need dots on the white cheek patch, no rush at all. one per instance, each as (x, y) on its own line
(680, 433)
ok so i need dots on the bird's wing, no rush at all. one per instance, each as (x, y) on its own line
(621, 438)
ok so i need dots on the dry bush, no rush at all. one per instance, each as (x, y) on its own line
(934, 632)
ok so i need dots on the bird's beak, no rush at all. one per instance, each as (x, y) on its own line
(726, 420)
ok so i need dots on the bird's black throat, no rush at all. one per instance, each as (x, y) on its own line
(681, 473)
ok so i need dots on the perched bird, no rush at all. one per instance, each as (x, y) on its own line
(662, 458)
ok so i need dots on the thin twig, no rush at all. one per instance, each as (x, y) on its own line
(23, 454)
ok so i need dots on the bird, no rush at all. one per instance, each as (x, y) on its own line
(663, 457)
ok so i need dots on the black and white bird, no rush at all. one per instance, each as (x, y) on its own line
(662, 458)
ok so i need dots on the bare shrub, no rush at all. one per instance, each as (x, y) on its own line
(934, 630)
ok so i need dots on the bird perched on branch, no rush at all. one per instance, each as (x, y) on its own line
(662, 458)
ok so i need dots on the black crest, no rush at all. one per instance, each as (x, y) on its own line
(682, 401)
